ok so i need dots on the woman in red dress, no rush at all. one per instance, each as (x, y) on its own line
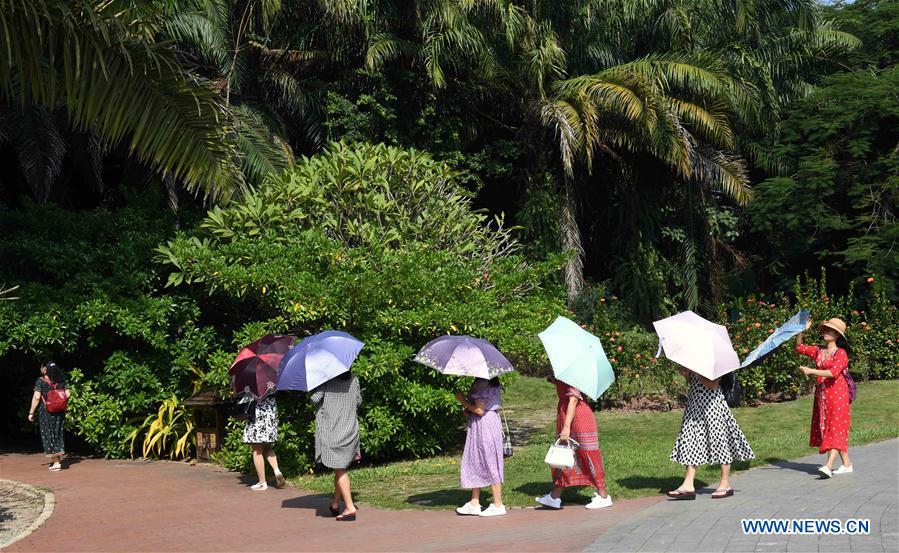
(575, 420)
(830, 413)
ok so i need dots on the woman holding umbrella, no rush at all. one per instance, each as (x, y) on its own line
(261, 432)
(254, 374)
(320, 364)
(575, 420)
(482, 458)
(580, 368)
(337, 436)
(830, 413)
(709, 435)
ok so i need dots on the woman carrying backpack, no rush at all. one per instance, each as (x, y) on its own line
(830, 413)
(51, 396)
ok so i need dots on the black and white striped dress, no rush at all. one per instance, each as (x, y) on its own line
(336, 426)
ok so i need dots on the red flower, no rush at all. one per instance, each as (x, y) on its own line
(757, 325)
(870, 279)
(654, 360)
(612, 360)
(620, 348)
(855, 311)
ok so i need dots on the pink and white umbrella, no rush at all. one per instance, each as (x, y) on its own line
(697, 344)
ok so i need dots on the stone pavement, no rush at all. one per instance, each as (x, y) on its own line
(789, 489)
(104, 505)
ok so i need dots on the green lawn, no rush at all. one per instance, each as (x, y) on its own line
(635, 449)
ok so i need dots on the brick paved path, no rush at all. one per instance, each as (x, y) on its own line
(157, 506)
(789, 489)
(104, 505)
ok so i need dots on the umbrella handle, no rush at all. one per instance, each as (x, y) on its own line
(659, 351)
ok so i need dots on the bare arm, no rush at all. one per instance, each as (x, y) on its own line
(477, 408)
(569, 417)
(35, 399)
(801, 336)
(815, 372)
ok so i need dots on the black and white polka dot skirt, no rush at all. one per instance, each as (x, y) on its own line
(709, 434)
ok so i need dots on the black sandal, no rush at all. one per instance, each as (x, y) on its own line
(334, 510)
(727, 493)
(346, 518)
(681, 495)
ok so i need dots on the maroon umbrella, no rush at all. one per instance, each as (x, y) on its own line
(255, 371)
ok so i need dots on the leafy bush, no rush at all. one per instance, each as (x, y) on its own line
(89, 297)
(382, 243)
(367, 195)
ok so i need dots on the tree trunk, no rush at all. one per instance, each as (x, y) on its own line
(571, 241)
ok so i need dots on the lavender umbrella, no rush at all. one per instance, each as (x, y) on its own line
(317, 359)
(464, 356)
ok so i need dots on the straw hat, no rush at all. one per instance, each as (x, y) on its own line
(834, 324)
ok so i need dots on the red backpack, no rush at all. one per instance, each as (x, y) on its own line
(56, 401)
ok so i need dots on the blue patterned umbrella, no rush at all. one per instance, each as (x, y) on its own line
(789, 329)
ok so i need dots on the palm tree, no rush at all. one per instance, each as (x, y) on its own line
(671, 79)
(95, 66)
(230, 42)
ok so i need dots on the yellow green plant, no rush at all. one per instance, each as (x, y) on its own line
(167, 432)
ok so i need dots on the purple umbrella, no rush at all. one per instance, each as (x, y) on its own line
(464, 356)
(317, 359)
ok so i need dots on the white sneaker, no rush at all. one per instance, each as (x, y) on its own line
(493, 511)
(260, 487)
(55, 467)
(843, 470)
(598, 502)
(469, 509)
(549, 501)
(279, 480)
(824, 471)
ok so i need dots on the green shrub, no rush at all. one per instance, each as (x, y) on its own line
(380, 242)
(89, 297)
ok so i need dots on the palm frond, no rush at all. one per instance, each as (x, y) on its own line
(40, 148)
(67, 54)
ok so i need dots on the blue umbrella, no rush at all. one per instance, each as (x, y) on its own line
(317, 359)
(791, 328)
(577, 357)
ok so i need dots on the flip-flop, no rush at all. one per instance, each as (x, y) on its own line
(727, 493)
(346, 518)
(334, 510)
(681, 495)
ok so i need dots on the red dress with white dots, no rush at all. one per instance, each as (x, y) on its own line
(830, 414)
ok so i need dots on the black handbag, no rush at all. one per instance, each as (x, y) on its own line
(730, 386)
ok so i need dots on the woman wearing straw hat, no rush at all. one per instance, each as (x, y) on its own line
(830, 413)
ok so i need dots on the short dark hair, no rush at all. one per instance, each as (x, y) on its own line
(54, 372)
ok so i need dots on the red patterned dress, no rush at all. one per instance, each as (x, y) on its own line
(830, 414)
(588, 469)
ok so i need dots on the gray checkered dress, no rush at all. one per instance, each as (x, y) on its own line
(336, 426)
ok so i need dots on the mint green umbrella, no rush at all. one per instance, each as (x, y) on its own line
(577, 357)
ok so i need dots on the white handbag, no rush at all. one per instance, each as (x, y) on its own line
(561, 456)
